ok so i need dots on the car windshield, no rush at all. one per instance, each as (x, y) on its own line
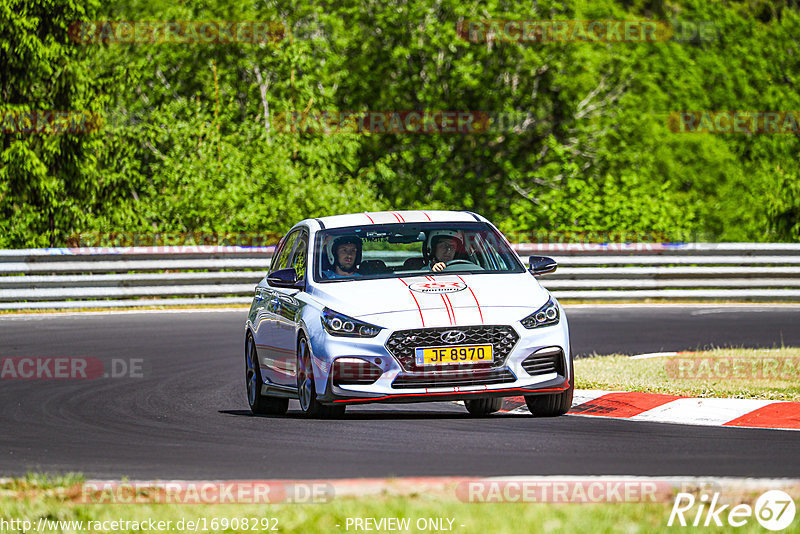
(408, 249)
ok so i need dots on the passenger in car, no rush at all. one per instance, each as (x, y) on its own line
(344, 254)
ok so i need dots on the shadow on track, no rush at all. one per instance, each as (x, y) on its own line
(394, 415)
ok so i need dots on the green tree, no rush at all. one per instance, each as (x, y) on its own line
(46, 181)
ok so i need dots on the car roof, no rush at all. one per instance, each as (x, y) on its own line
(391, 217)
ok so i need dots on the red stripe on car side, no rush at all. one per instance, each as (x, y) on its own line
(473, 296)
(426, 215)
(421, 318)
(447, 297)
(370, 218)
(446, 308)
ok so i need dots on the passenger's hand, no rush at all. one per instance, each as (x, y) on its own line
(439, 267)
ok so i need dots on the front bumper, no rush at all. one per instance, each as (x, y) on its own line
(337, 395)
(519, 377)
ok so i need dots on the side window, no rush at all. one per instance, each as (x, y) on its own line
(299, 258)
(281, 258)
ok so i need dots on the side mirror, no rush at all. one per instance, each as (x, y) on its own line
(286, 278)
(541, 265)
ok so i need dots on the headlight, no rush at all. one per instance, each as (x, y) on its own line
(337, 324)
(545, 316)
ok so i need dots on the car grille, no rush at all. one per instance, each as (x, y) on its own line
(474, 377)
(545, 362)
(402, 343)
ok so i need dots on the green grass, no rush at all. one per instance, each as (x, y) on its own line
(772, 374)
(38, 497)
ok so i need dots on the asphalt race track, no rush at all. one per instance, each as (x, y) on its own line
(187, 416)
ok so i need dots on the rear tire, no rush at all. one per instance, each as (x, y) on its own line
(259, 404)
(483, 407)
(552, 405)
(307, 391)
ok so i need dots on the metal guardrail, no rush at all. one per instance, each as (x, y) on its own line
(137, 276)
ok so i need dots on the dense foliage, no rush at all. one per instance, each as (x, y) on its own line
(189, 141)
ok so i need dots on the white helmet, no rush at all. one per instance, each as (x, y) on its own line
(441, 234)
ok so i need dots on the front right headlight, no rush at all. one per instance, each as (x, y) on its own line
(338, 324)
(547, 315)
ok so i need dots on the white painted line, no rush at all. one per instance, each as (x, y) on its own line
(754, 484)
(719, 309)
(649, 355)
(722, 483)
(707, 412)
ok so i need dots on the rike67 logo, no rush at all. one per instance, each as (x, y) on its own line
(774, 510)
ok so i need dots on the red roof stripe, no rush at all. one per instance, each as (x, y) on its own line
(452, 309)
(473, 296)
(446, 308)
(421, 318)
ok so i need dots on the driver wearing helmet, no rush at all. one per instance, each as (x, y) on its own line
(443, 245)
(344, 254)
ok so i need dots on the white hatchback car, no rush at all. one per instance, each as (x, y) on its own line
(404, 306)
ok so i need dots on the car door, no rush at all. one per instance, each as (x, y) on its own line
(287, 312)
(266, 330)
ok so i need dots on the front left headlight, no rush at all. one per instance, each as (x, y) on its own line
(337, 324)
(545, 316)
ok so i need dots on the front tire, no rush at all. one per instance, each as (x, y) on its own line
(259, 404)
(483, 407)
(552, 405)
(307, 391)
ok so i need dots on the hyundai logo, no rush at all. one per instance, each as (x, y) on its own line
(453, 336)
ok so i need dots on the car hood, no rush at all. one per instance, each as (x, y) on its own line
(440, 300)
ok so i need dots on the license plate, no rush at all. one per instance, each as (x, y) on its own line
(459, 354)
